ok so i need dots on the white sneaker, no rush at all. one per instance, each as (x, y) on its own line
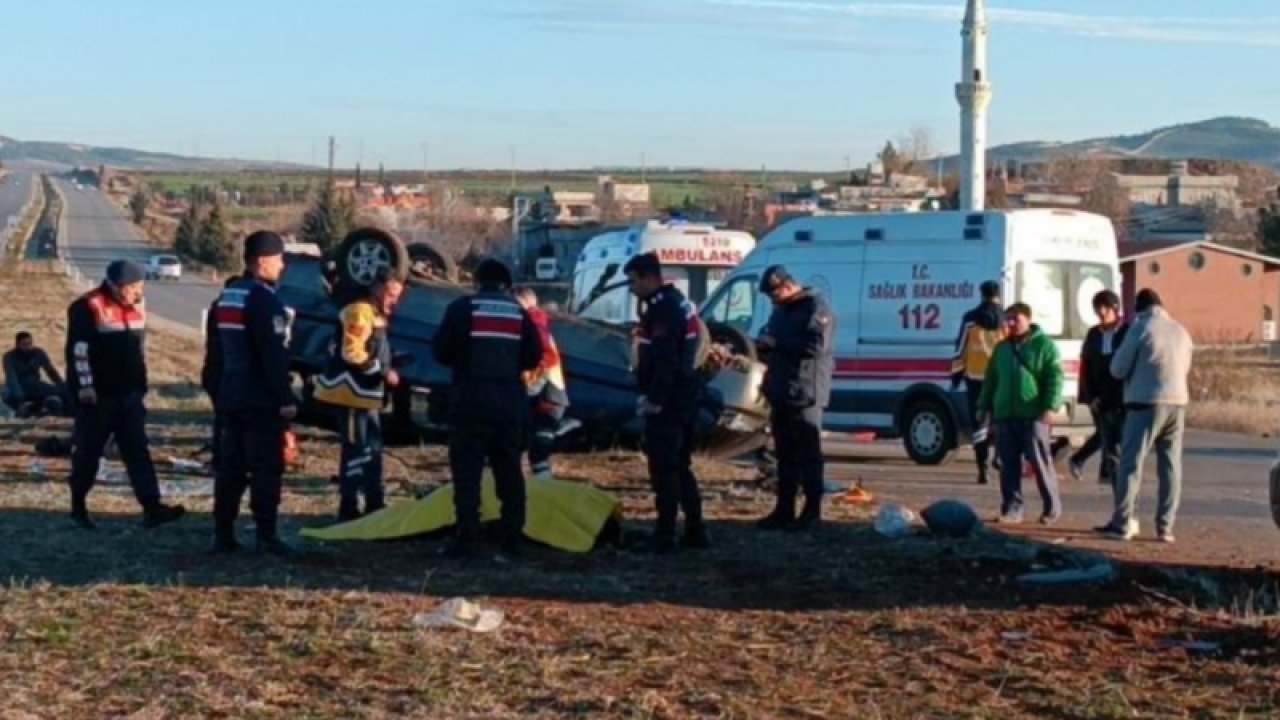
(1127, 533)
(542, 475)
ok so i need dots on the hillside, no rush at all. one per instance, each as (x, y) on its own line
(58, 156)
(1238, 139)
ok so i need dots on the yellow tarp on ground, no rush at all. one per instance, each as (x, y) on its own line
(565, 515)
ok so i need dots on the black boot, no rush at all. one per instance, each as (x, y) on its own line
(160, 514)
(511, 545)
(271, 544)
(695, 537)
(225, 543)
(983, 475)
(661, 542)
(781, 518)
(80, 515)
(462, 546)
(348, 510)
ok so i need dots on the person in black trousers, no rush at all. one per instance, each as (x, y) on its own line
(1101, 391)
(798, 343)
(107, 375)
(669, 390)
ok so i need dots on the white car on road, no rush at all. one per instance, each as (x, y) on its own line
(164, 267)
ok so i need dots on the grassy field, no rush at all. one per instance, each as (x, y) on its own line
(842, 623)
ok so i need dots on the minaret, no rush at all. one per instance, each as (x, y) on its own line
(974, 94)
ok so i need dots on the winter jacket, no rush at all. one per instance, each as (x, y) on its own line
(546, 382)
(253, 334)
(980, 331)
(1023, 380)
(801, 363)
(1154, 360)
(1096, 381)
(355, 374)
(23, 372)
(668, 336)
(488, 341)
(106, 345)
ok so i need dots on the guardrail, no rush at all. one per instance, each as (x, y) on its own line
(18, 231)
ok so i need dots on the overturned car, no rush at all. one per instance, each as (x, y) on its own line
(597, 358)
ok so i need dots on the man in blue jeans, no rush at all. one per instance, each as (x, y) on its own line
(1021, 391)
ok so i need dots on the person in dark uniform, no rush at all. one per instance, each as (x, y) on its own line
(489, 342)
(255, 397)
(211, 375)
(355, 382)
(107, 373)
(669, 387)
(980, 331)
(798, 341)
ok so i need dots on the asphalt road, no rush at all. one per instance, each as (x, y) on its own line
(98, 232)
(15, 190)
(1225, 518)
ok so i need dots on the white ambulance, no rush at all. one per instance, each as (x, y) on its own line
(695, 258)
(899, 285)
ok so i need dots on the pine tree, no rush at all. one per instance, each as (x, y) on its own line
(329, 219)
(187, 237)
(1269, 230)
(213, 244)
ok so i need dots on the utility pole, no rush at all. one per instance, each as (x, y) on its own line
(424, 163)
(333, 147)
(643, 169)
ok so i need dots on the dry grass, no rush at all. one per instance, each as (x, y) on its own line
(839, 624)
(1236, 391)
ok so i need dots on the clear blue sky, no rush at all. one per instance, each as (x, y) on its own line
(575, 83)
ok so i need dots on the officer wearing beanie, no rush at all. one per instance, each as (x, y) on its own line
(489, 342)
(255, 398)
(107, 375)
(797, 342)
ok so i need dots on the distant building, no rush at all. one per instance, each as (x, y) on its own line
(1180, 188)
(1221, 294)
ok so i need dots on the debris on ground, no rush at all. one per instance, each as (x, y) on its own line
(459, 612)
(951, 518)
(894, 521)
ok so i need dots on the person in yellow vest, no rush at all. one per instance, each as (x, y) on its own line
(355, 381)
(545, 384)
(980, 331)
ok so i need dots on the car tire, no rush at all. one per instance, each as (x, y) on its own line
(427, 262)
(365, 251)
(929, 432)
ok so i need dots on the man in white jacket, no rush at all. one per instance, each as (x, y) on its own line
(1154, 361)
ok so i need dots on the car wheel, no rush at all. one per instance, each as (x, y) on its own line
(365, 251)
(929, 432)
(428, 263)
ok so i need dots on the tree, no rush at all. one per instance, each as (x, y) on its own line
(1269, 230)
(187, 237)
(138, 205)
(214, 241)
(915, 147)
(891, 159)
(329, 219)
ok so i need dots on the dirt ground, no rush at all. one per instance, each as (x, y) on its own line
(840, 623)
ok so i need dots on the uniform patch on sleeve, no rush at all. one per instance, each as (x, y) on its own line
(278, 324)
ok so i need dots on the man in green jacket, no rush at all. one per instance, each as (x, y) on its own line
(1021, 391)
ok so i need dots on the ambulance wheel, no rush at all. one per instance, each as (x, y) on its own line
(365, 251)
(929, 432)
(736, 339)
(428, 263)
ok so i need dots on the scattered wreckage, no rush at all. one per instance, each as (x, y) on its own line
(597, 358)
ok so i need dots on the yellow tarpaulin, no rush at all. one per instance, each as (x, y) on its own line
(565, 515)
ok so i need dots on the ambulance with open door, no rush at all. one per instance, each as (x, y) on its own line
(899, 285)
(695, 258)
